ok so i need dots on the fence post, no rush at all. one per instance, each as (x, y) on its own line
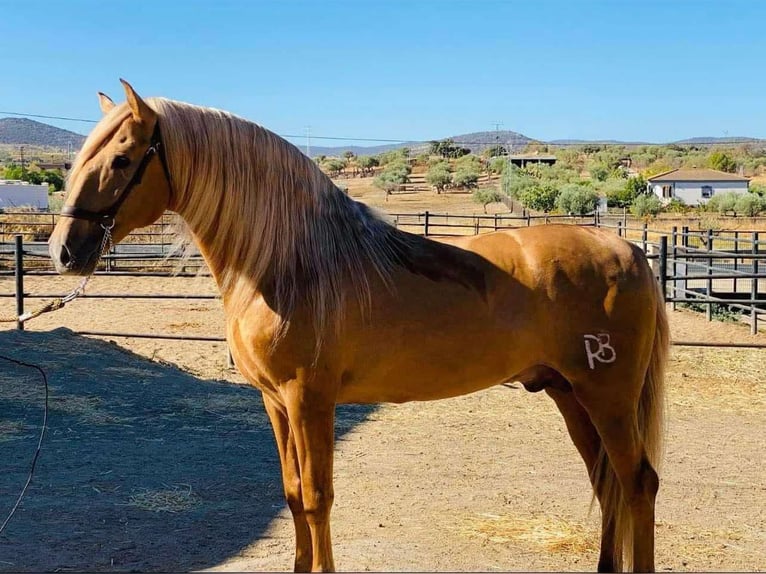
(229, 358)
(619, 229)
(625, 218)
(685, 236)
(674, 269)
(709, 287)
(496, 222)
(736, 252)
(19, 253)
(664, 267)
(529, 219)
(425, 225)
(644, 236)
(754, 288)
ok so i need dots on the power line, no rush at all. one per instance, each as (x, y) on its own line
(724, 141)
(49, 117)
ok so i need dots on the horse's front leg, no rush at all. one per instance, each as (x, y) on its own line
(291, 479)
(312, 417)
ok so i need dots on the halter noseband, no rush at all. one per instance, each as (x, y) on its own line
(105, 217)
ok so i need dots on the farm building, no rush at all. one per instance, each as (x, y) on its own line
(695, 186)
(522, 159)
(15, 193)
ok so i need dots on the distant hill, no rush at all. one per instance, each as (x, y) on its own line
(18, 131)
(475, 141)
(573, 142)
(720, 141)
(688, 141)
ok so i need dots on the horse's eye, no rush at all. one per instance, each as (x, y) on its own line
(121, 162)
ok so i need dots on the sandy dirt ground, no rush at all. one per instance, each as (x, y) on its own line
(157, 458)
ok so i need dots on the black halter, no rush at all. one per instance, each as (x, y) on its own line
(106, 216)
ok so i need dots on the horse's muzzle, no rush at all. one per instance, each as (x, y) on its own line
(75, 253)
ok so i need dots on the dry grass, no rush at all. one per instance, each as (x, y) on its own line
(87, 409)
(11, 430)
(729, 380)
(698, 546)
(551, 533)
(234, 408)
(173, 499)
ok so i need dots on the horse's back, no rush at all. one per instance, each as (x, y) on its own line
(543, 251)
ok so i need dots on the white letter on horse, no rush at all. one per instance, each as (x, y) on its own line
(605, 353)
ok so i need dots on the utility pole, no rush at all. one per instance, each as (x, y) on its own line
(497, 133)
(308, 141)
(21, 149)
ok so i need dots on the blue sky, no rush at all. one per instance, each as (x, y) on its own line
(410, 70)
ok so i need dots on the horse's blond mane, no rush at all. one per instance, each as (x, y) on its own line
(265, 215)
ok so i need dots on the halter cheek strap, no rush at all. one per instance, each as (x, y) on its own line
(106, 216)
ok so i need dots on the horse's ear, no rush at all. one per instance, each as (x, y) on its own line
(141, 111)
(105, 102)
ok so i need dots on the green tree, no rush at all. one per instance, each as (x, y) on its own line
(723, 203)
(540, 197)
(600, 172)
(447, 148)
(494, 151)
(367, 163)
(54, 178)
(722, 161)
(497, 165)
(465, 177)
(334, 165)
(621, 193)
(577, 199)
(750, 204)
(395, 174)
(13, 171)
(439, 176)
(487, 195)
(646, 205)
(758, 189)
(515, 182)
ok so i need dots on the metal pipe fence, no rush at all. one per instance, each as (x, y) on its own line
(715, 269)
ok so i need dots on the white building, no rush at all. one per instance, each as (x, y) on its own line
(695, 186)
(15, 194)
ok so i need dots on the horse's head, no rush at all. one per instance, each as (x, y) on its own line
(118, 183)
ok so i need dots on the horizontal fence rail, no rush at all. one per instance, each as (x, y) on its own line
(718, 270)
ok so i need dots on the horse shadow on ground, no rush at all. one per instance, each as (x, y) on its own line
(144, 467)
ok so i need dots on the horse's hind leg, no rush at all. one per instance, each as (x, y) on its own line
(586, 440)
(292, 483)
(616, 419)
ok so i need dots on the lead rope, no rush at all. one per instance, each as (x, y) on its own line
(106, 244)
(39, 442)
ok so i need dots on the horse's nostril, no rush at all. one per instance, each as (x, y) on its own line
(65, 257)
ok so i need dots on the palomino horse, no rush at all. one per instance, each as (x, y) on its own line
(326, 303)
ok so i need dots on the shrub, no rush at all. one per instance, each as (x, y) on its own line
(677, 205)
(749, 204)
(577, 199)
(497, 165)
(722, 203)
(439, 176)
(487, 195)
(465, 177)
(540, 197)
(646, 205)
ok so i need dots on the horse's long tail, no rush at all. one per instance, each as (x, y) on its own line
(651, 412)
